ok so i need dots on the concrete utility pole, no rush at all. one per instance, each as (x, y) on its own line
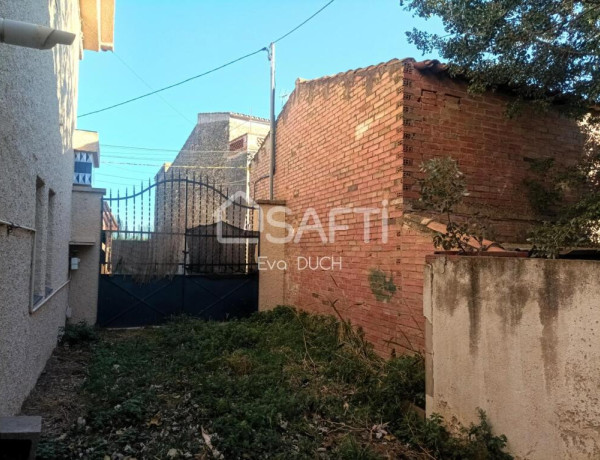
(272, 164)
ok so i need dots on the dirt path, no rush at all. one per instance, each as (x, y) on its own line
(56, 396)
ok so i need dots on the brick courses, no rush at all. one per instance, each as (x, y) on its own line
(357, 139)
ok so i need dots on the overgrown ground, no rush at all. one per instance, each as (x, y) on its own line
(282, 385)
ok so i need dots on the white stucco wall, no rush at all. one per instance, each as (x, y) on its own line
(37, 119)
(520, 339)
(86, 226)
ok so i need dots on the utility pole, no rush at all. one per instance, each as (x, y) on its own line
(272, 164)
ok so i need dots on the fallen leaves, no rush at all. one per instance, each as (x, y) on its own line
(208, 441)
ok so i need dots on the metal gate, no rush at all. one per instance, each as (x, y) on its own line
(178, 245)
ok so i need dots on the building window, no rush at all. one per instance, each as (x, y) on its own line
(50, 242)
(39, 262)
(238, 144)
(83, 168)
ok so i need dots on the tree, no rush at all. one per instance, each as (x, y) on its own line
(577, 221)
(547, 51)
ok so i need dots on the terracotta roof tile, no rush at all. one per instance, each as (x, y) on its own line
(431, 65)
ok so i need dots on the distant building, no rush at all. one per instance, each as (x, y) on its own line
(86, 148)
(216, 153)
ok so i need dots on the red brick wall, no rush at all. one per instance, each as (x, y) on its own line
(492, 150)
(356, 139)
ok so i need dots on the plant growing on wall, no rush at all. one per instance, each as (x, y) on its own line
(570, 197)
(443, 188)
(382, 287)
(543, 52)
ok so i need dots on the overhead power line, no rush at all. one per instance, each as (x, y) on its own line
(140, 78)
(287, 34)
(134, 179)
(158, 149)
(173, 85)
(130, 185)
(172, 166)
(138, 148)
(162, 152)
(222, 66)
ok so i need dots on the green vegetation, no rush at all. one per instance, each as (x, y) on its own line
(77, 334)
(545, 53)
(443, 188)
(281, 384)
(570, 197)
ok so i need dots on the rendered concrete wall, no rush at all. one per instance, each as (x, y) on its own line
(271, 274)
(520, 339)
(37, 107)
(85, 244)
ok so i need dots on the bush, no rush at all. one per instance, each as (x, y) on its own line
(77, 334)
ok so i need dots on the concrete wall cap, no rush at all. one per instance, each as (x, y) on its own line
(271, 202)
(20, 426)
(85, 189)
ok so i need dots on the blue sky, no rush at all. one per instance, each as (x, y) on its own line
(159, 42)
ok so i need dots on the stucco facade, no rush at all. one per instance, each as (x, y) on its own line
(209, 146)
(38, 103)
(85, 245)
(519, 339)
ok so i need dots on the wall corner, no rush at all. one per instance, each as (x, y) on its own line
(271, 256)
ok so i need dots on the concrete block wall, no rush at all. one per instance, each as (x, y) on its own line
(86, 229)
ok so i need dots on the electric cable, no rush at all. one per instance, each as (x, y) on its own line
(222, 66)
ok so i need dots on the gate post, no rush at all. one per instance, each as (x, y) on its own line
(271, 274)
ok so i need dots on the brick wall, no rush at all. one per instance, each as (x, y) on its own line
(357, 139)
(493, 151)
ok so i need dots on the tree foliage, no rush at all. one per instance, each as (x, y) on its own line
(573, 195)
(543, 50)
(443, 188)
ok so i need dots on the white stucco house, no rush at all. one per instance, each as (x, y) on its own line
(39, 228)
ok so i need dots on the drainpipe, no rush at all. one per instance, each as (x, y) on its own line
(32, 35)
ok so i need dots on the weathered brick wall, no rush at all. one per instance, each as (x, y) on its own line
(493, 151)
(357, 139)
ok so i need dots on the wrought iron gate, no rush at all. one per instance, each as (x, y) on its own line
(177, 245)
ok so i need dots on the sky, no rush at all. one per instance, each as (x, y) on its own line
(160, 42)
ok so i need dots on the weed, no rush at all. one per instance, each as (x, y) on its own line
(477, 442)
(281, 384)
(77, 334)
(351, 449)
